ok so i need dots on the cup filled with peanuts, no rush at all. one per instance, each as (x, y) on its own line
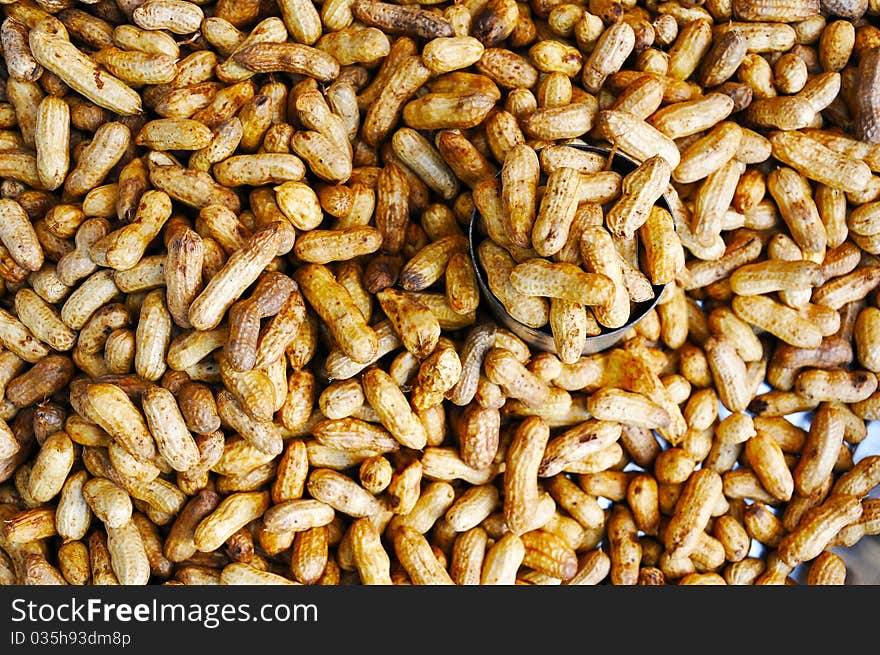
(481, 292)
(565, 262)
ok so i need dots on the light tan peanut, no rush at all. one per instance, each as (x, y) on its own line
(556, 211)
(236, 511)
(371, 559)
(498, 264)
(239, 573)
(539, 277)
(393, 408)
(599, 256)
(183, 273)
(714, 194)
(812, 159)
(506, 68)
(644, 503)
(402, 83)
(258, 169)
(519, 187)
(128, 467)
(664, 254)
(73, 562)
(179, 544)
(152, 336)
(38, 571)
(524, 458)
(309, 555)
(22, 527)
(18, 236)
(297, 515)
(437, 374)
(820, 450)
(774, 275)
(728, 371)
(333, 303)
(642, 98)
(817, 528)
(623, 406)
(817, 385)
(762, 525)
(580, 505)
(724, 323)
(503, 560)
(472, 507)
(131, 37)
(692, 510)
(683, 119)
(847, 288)
(673, 466)
(636, 138)
(188, 348)
(860, 479)
(128, 556)
(51, 467)
(262, 433)
(584, 448)
(462, 292)
(73, 514)
(417, 327)
(111, 409)
(194, 188)
(611, 49)
(689, 48)
(570, 326)
(111, 504)
(77, 264)
(478, 433)
(177, 16)
(418, 560)
(468, 555)
(99, 156)
(166, 423)
(51, 48)
(781, 321)
(92, 294)
(225, 139)
(515, 380)
(354, 434)
(624, 550)
(240, 271)
(52, 141)
(446, 54)
(418, 154)
(341, 493)
(798, 211)
(375, 474)
(43, 320)
(766, 459)
(593, 568)
(547, 553)
(827, 569)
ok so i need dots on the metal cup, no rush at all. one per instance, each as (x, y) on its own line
(542, 339)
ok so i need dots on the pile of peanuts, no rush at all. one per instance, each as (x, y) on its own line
(242, 338)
